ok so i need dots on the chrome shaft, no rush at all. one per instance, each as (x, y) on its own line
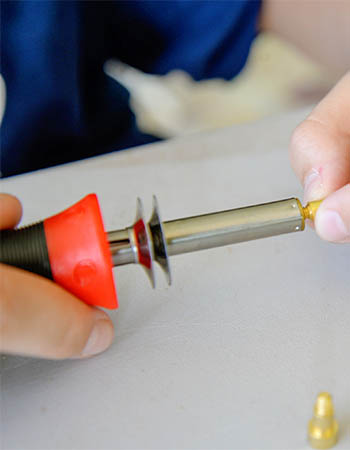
(120, 246)
(230, 227)
(205, 231)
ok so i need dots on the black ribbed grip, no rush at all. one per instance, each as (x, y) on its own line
(26, 248)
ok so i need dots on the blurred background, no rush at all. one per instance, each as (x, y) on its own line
(276, 78)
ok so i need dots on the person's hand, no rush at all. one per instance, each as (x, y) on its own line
(38, 317)
(320, 156)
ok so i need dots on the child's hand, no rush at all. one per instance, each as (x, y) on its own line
(38, 317)
(320, 156)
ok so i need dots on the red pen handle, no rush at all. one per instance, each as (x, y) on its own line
(71, 248)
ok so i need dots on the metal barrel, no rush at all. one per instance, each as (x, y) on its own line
(206, 231)
(229, 227)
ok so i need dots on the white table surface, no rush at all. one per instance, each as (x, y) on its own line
(230, 356)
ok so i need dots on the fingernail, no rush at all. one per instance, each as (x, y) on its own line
(100, 338)
(313, 186)
(331, 227)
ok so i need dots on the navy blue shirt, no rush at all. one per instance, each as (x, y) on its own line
(60, 104)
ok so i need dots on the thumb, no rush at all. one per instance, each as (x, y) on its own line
(39, 318)
(10, 211)
(333, 216)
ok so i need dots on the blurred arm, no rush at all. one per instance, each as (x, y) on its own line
(320, 28)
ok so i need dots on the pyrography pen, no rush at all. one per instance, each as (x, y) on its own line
(73, 249)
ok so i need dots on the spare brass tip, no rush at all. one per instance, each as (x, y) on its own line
(324, 405)
(309, 211)
(323, 427)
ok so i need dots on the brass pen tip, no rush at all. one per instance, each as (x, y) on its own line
(309, 211)
(323, 428)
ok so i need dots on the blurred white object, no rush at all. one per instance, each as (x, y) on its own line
(276, 78)
(157, 107)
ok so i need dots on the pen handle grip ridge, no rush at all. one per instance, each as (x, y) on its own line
(26, 248)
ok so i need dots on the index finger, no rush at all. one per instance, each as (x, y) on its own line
(319, 150)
